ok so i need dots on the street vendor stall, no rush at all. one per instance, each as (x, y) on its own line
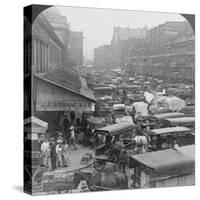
(34, 131)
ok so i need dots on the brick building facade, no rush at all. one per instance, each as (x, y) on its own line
(169, 50)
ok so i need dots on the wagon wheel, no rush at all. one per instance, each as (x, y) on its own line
(37, 176)
(27, 175)
(99, 165)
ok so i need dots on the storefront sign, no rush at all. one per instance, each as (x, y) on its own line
(64, 106)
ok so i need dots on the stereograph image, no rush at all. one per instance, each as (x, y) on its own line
(109, 99)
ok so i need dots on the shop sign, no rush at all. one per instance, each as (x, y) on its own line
(64, 106)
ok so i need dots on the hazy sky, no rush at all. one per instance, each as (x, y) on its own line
(97, 24)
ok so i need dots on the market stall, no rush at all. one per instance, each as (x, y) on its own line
(34, 131)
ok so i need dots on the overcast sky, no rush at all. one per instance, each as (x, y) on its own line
(97, 24)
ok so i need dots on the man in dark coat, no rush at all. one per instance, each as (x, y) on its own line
(72, 117)
(66, 125)
(53, 153)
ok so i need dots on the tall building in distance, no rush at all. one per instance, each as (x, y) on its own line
(104, 57)
(169, 51)
(116, 55)
(125, 39)
(166, 32)
(76, 47)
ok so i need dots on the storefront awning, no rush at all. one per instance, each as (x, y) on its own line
(33, 124)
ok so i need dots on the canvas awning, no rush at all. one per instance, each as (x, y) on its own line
(35, 125)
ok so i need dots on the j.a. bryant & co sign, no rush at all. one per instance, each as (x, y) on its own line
(64, 106)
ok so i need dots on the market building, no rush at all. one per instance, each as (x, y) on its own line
(59, 92)
(169, 51)
(61, 27)
(47, 49)
(58, 89)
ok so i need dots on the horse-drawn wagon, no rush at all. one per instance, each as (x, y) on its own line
(111, 143)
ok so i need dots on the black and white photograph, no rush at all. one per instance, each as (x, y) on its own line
(109, 99)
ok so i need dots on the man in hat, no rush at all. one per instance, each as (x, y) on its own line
(59, 139)
(72, 137)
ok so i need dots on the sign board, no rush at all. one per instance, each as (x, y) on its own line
(64, 106)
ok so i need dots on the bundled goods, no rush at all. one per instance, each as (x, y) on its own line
(175, 103)
(149, 97)
(166, 103)
(141, 108)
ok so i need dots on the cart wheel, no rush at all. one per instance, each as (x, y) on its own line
(99, 165)
(37, 176)
(27, 175)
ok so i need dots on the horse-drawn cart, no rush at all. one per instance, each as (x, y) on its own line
(111, 143)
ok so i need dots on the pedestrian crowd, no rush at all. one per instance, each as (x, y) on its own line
(55, 152)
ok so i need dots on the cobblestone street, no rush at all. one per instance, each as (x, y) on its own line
(75, 158)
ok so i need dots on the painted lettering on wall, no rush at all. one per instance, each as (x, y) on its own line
(61, 105)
